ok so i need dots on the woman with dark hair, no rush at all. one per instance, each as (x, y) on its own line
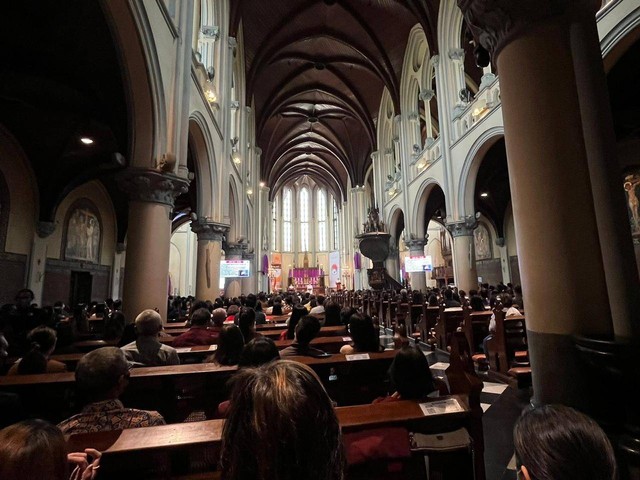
(230, 345)
(297, 313)
(554, 442)
(364, 337)
(433, 300)
(409, 377)
(258, 351)
(281, 425)
(247, 324)
(331, 314)
(37, 449)
(42, 341)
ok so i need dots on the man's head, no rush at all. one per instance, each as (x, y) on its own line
(307, 329)
(320, 299)
(218, 317)
(102, 374)
(148, 323)
(251, 301)
(200, 318)
(24, 298)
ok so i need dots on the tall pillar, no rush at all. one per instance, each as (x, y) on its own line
(38, 260)
(418, 279)
(550, 185)
(248, 284)
(464, 255)
(623, 285)
(210, 236)
(505, 266)
(116, 274)
(151, 198)
(233, 286)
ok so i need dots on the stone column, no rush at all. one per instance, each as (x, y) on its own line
(248, 285)
(464, 255)
(38, 259)
(505, 266)
(555, 222)
(116, 274)
(210, 236)
(418, 279)
(151, 198)
(233, 286)
(612, 219)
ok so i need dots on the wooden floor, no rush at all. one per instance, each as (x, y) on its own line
(502, 406)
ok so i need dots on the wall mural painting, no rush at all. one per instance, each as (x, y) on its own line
(632, 191)
(83, 236)
(482, 242)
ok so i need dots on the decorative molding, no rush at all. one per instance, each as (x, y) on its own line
(435, 60)
(500, 242)
(144, 185)
(463, 228)
(416, 244)
(427, 95)
(121, 247)
(258, 151)
(456, 54)
(210, 32)
(235, 105)
(209, 231)
(44, 229)
(234, 249)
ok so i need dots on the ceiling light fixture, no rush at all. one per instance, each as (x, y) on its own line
(86, 140)
(484, 194)
(262, 184)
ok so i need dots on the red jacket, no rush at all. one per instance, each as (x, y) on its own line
(196, 336)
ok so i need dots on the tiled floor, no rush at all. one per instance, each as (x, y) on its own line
(501, 405)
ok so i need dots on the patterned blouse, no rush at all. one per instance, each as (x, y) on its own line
(109, 415)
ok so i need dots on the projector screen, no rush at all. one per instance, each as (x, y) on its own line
(235, 268)
(418, 264)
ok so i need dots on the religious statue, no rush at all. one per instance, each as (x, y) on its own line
(630, 184)
(373, 223)
(482, 245)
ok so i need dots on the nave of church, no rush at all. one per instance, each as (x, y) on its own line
(171, 156)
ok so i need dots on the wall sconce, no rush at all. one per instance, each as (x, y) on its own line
(235, 155)
(249, 191)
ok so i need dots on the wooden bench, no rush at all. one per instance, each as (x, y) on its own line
(449, 319)
(509, 340)
(176, 391)
(191, 448)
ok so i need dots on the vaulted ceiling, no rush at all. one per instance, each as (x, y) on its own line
(316, 71)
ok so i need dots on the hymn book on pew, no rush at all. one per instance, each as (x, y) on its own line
(448, 405)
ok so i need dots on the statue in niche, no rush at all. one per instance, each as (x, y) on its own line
(482, 243)
(82, 236)
(631, 183)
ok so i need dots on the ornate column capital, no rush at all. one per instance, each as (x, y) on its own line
(121, 247)
(44, 229)
(463, 228)
(152, 186)
(235, 249)
(248, 256)
(416, 245)
(495, 23)
(427, 95)
(209, 231)
(456, 54)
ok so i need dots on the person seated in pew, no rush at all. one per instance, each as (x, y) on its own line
(36, 449)
(199, 332)
(247, 324)
(345, 315)
(101, 377)
(257, 352)
(306, 330)
(298, 312)
(114, 326)
(218, 316)
(232, 312)
(510, 311)
(554, 442)
(230, 345)
(252, 302)
(449, 301)
(364, 337)
(319, 308)
(147, 349)
(281, 425)
(42, 341)
(331, 314)
(410, 377)
(476, 304)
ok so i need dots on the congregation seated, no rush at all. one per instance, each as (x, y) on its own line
(114, 326)
(409, 377)
(19, 318)
(306, 330)
(510, 311)
(146, 349)
(101, 377)
(199, 333)
(319, 308)
(257, 352)
(297, 313)
(251, 302)
(36, 449)
(293, 431)
(364, 337)
(476, 304)
(42, 341)
(232, 312)
(331, 314)
(554, 442)
(230, 345)
(449, 300)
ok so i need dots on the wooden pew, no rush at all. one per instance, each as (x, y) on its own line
(190, 448)
(505, 350)
(449, 319)
(338, 330)
(476, 328)
(176, 391)
(429, 320)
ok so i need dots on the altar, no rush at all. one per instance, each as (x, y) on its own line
(305, 279)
